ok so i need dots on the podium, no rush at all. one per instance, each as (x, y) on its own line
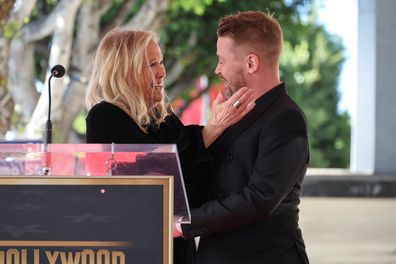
(89, 203)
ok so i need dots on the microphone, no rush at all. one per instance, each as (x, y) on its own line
(57, 71)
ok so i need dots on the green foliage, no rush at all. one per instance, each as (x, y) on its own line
(79, 123)
(7, 29)
(311, 69)
(3, 81)
(111, 12)
(43, 8)
(184, 24)
(198, 7)
(10, 29)
(115, 8)
(310, 63)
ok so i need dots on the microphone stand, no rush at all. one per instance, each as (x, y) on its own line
(57, 71)
(48, 134)
(48, 124)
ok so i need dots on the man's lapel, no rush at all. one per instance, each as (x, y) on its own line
(220, 146)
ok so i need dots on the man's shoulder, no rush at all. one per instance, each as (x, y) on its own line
(284, 102)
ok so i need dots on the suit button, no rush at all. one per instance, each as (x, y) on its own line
(220, 195)
(230, 157)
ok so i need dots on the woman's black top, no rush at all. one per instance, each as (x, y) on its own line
(107, 123)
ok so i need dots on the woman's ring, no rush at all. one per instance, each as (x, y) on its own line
(236, 104)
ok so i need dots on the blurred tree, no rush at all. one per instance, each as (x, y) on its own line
(38, 34)
(190, 38)
(7, 29)
(63, 32)
(310, 65)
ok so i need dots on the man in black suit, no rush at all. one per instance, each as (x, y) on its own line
(250, 213)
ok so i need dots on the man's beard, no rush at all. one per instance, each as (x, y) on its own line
(228, 92)
(232, 87)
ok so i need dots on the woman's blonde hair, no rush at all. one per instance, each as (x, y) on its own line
(118, 76)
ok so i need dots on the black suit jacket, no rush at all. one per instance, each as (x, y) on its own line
(106, 123)
(251, 209)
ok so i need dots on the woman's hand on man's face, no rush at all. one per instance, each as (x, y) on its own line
(226, 112)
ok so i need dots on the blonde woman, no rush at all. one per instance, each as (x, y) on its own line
(127, 104)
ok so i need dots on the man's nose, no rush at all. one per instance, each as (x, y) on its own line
(218, 69)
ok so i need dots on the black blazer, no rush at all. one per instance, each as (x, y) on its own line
(251, 209)
(106, 123)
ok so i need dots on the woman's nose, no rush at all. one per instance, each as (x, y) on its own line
(161, 71)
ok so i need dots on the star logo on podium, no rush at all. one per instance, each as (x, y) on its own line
(17, 231)
(88, 217)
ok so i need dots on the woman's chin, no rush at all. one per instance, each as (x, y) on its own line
(157, 97)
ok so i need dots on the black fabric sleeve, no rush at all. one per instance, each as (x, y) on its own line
(194, 158)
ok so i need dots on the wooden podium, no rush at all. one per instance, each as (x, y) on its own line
(98, 203)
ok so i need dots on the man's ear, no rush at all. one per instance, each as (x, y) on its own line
(252, 62)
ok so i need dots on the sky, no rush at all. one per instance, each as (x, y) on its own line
(340, 17)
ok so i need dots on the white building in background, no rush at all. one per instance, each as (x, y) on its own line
(373, 149)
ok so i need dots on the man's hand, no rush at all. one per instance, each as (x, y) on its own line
(177, 231)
